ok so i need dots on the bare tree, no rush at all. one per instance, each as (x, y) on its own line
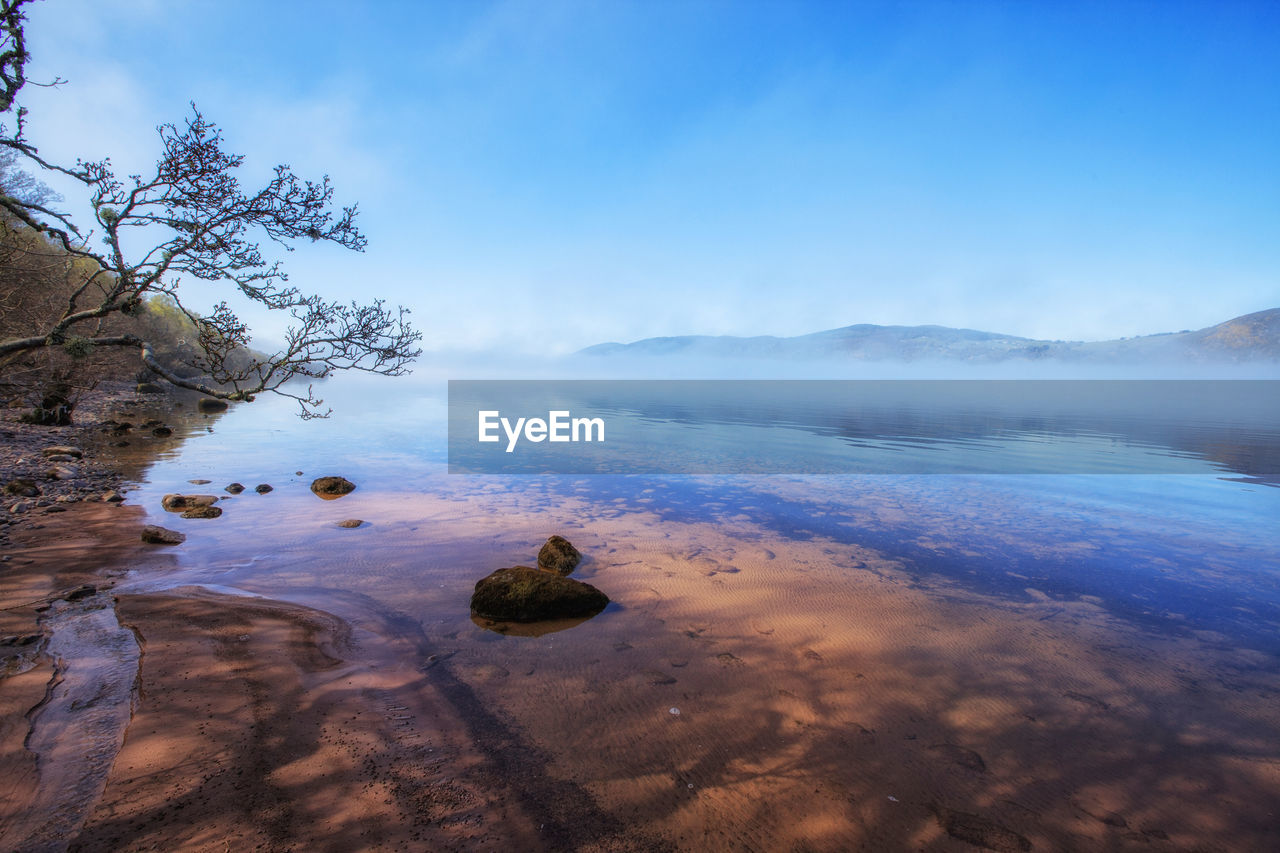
(198, 222)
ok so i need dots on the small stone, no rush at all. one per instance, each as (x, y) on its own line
(149, 388)
(350, 522)
(199, 482)
(162, 432)
(63, 472)
(179, 503)
(297, 473)
(559, 556)
(263, 488)
(203, 512)
(332, 487)
(156, 535)
(23, 488)
(63, 450)
(113, 497)
(234, 488)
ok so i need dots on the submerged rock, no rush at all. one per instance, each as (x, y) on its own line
(157, 535)
(559, 556)
(350, 522)
(182, 503)
(203, 512)
(524, 594)
(209, 405)
(162, 432)
(981, 831)
(332, 487)
(966, 758)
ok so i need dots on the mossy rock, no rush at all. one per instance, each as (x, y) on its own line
(182, 503)
(22, 488)
(332, 487)
(523, 594)
(156, 535)
(558, 555)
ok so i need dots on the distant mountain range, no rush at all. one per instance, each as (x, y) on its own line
(1253, 337)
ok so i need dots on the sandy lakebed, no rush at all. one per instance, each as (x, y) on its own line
(278, 683)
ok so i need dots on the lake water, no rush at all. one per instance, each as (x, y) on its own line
(836, 645)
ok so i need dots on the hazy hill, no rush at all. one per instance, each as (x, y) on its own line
(1253, 337)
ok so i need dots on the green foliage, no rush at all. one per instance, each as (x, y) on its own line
(78, 347)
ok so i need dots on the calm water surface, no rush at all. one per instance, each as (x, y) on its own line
(794, 657)
(1179, 551)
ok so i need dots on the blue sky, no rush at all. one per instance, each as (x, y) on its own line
(542, 176)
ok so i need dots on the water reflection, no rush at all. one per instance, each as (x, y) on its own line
(529, 629)
(881, 427)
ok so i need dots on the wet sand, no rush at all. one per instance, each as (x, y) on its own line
(828, 699)
(260, 724)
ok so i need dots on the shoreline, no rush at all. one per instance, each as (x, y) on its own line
(112, 418)
(266, 724)
(254, 722)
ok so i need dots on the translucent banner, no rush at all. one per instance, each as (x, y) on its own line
(865, 427)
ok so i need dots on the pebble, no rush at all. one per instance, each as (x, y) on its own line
(53, 457)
